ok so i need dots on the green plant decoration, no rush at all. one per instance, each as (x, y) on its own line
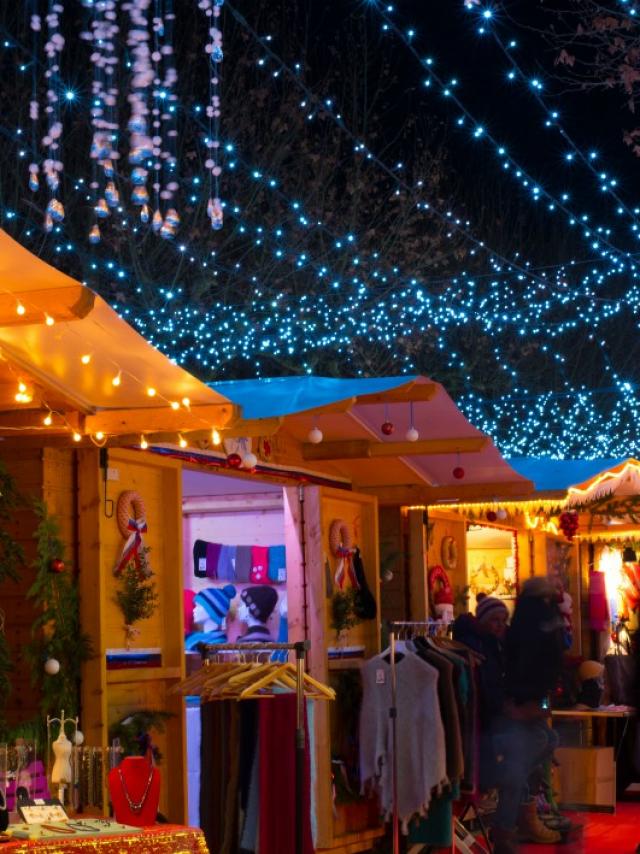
(137, 597)
(134, 732)
(56, 633)
(11, 558)
(343, 616)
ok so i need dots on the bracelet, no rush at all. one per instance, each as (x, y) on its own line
(87, 828)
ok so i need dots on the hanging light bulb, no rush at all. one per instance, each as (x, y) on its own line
(108, 168)
(117, 379)
(99, 435)
(77, 437)
(47, 420)
(86, 358)
(20, 309)
(140, 196)
(111, 195)
(144, 214)
(174, 405)
(156, 222)
(186, 402)
(48, 223)
(182, 441)
(151, 391)
(143, 443)
(55, 209)
(101, 209)
(94, 234)
(49, 320)
(34, 181)
(216, 438)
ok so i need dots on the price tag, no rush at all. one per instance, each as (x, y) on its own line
(381, 677)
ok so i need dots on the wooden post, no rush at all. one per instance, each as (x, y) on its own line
(418, 588)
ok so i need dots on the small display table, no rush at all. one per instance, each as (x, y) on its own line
(588, 771)
(161, 839)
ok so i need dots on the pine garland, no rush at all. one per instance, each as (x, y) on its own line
(11, 558)
(137, 597)
(56, 632)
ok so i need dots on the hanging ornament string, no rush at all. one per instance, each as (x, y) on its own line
(168, 115)
(52, 165)
(34, 109)
(212, 9)
(140, 144)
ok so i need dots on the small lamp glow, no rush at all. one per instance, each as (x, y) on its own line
(215, 437)
(143, 443)
(99, 435)
(186, 402)
(49, 320)
(20, 309)
(175, 405)
(47, 420)
(151, 391)
(85, 358)
(182, 441)
(77, 437)
(117, 379)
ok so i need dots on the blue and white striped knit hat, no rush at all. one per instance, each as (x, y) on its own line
(216, 601)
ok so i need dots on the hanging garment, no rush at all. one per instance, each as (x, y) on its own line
(278, 783)
(243, 563)
(200, 559)
(226, 563)
(598, 605)
(259, 565)
(213, 553)
(277, 564)
(214, 747)
(256, 633)
(364, 605)
(421, 754)
(191, 641)
(448, 708)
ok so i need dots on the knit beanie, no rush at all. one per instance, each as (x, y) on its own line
(216, 601)
(260, 601)
(488, 607)
(538, 586)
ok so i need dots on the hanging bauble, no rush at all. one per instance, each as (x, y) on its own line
(387, 428)
(34, 181)
(167, 231)
(137, 124)
(215, 213)
(138, 176)
(94, 235)
(100, 147)
(57, 565)
(108, 168)
(412, 435)
(458, 472)
(53, 182)
(52, 666)
(569, 523)
(501, 513)
(218, 2)
(78, 738)
(111, 195)
(55, 210)
(491, 515)
(144, 214)
(157, 221)
(101, 209)
(48, 223)
(315, 436)
(387, 575)
(249, 461)
(140, 196)
(172, 218)
(234, 461)
(216, 54)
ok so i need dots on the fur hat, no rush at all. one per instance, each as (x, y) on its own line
(260, 601)
(488, 607)
(216, 601)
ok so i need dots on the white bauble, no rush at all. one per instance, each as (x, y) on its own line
(249, 461)
(52, 666)
(315, 436)
(78, 738)
(412, 435)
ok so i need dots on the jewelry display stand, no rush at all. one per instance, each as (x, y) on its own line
(134, 787)
(65, 768)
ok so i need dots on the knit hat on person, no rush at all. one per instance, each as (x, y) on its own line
(216, 601)
(260, 601)
(538, 586)
(489, 607)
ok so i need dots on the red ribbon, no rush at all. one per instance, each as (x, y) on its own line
(131, 550)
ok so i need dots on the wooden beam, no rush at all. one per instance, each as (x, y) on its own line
(160, 419)
(198, 439)
(412, 391)
(252, 427)
(62, 304)
(414, 494)
(358, 449)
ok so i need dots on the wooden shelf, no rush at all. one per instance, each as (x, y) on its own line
(346, 663)
(142, 674)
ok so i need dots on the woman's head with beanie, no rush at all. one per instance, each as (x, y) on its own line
(260, 601)
(216, 601)
(492, 615)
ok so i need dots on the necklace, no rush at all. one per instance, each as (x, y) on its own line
(136, 807)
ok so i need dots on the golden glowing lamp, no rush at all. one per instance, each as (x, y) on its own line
(151, 391)
(47, 420)
(99, 435)
(215, 437)
(86, 358)
(186, 402)
(117, 379)
(182, 441)
(143, 443)
(175, 405)
(20, 309)
(77, 437)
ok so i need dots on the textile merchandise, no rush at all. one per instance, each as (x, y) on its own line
(216, 601)
(260, 601)
(488, 607)
(253, 564)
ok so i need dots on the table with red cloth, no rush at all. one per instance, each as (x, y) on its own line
(160, 839)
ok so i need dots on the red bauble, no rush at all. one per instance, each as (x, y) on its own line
(56, 565)
(387, 428)
(234, 461)
(491, 515)
(458, 472)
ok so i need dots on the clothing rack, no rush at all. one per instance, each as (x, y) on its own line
(300, 648)
(414, 627)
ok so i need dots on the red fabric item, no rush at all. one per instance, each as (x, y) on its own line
(598, 608)
(276, 743)
(188, 611)
(259, 565)
(135, 771)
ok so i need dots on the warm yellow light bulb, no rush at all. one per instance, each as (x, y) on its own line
(182, 441)
(175, 404)
(117, 379)
(99, 435)
(47, 420)
(151, 391)
(20, 309)
(22, 388)
(86, 358)
(215, 437)
(49, 320)
(186, 402)
(77, 437)
(143, 443)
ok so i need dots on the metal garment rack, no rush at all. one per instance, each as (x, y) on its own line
(300, 648)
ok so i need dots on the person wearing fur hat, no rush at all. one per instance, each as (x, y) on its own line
(256, 606)
(210, 609)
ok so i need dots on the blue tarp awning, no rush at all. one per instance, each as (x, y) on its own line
(548, 474)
